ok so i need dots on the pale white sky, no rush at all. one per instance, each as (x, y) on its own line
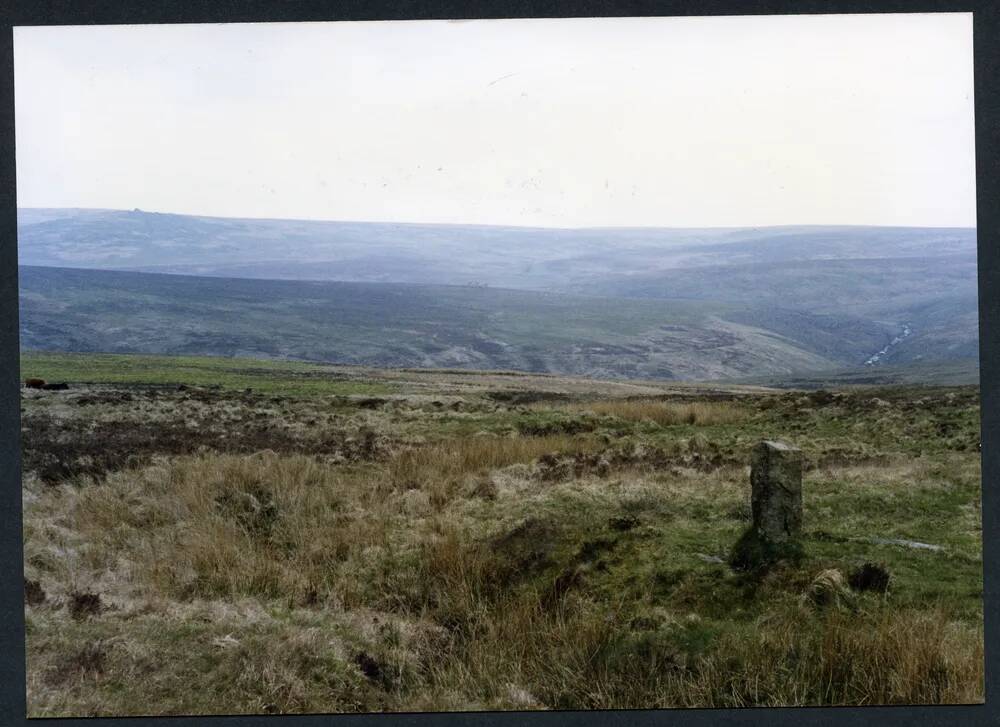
(676, 122)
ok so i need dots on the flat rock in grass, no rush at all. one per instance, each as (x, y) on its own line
(907, 544)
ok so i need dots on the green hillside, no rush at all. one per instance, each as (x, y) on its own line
(405, 326)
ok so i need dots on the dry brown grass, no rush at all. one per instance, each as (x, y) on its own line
(448, 461)
(221, 525)
(888, 657)
(277, 526)
(569, 653)
(665, 413)
(387, 585)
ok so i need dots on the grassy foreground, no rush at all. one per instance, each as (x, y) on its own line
(409, 541)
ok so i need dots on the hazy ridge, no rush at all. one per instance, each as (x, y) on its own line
(605, 302)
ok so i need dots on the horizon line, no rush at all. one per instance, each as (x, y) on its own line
(514, 226)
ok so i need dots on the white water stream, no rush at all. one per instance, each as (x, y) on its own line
(878, 355)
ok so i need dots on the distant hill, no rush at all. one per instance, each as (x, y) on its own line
(513, 257)
(963, 372)
(610, 302)
(398, 325)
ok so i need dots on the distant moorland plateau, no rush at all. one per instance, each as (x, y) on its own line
(772, 303)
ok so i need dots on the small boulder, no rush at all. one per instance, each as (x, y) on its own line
(870, 577)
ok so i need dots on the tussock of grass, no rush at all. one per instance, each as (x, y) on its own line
(454, 459)
(882, 657)
(665, 413)
(223, 526)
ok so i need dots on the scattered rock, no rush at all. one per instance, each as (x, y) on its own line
(907, 544)
(62, 386)
(870, 577)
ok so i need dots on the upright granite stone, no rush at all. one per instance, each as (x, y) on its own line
(776, 490)
(776, 504)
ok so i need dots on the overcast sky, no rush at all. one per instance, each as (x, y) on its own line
(677, 122)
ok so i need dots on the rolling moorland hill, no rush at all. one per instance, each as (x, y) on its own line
(612, 302)
(397, 325)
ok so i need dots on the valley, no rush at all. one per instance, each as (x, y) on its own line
(619, 303)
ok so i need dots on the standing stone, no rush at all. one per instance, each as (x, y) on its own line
(776, 504)
(776, 490)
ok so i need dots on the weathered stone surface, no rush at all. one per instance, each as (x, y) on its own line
(776, 507)
(776, 490)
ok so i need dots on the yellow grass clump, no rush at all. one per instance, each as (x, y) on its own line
(665, 413)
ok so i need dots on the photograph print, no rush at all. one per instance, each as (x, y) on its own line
(487, 365)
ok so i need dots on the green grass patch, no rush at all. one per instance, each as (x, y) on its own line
(290, 378)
